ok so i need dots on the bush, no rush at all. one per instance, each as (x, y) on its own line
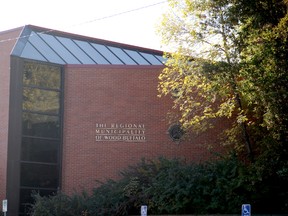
(196, 188)
(175, 187)
(61, 204)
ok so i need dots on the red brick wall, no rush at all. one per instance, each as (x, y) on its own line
(117, 94)
(5, 50)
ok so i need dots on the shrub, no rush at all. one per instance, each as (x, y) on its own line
(175, 187)
(60, 204)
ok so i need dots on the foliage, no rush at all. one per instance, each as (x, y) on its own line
(229, 60)
(60, 204)
(196, 188)
(264, 72)
(176, 187)
(109, 199)
(36, 77)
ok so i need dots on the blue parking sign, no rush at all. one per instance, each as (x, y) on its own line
(246, 210)
(144, 210)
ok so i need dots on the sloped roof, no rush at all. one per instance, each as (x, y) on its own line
(64, 48)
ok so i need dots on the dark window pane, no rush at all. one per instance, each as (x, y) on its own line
(39, 150)
(41, 100)
(42, 75)
(39, 175)
(40, 125)
(26, 198)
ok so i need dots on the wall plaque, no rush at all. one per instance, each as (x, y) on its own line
(120, 132)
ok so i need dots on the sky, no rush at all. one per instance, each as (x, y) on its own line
(125, 21)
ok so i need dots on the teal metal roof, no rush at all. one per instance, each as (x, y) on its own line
(64, 48)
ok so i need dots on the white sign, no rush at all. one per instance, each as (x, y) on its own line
(120, 132)
(143, 210)
(4, 205)
(246, 210)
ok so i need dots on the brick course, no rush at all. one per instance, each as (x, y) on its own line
(117, 94)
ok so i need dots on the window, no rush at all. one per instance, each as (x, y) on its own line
(39, 100)
(41, 131)
(40, 150)
(176, 132)
(26, 199)
(41, 75)
(39, 125)
(39, 175)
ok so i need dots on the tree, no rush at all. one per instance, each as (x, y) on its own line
(229, 60)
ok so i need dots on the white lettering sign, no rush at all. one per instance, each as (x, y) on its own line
(121, 132)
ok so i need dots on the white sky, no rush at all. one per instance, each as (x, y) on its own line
(84, 17)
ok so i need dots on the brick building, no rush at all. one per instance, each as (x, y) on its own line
(74, 109)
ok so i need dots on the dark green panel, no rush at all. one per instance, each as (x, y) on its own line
(40, 150)
(39, 175)
(39, 125)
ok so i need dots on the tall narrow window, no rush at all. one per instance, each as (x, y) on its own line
(41, 131)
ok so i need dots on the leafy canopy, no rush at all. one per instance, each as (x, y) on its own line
(229, 59)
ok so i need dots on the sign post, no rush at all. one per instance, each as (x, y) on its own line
(144, 210)
(4, 206)
(246, 210)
